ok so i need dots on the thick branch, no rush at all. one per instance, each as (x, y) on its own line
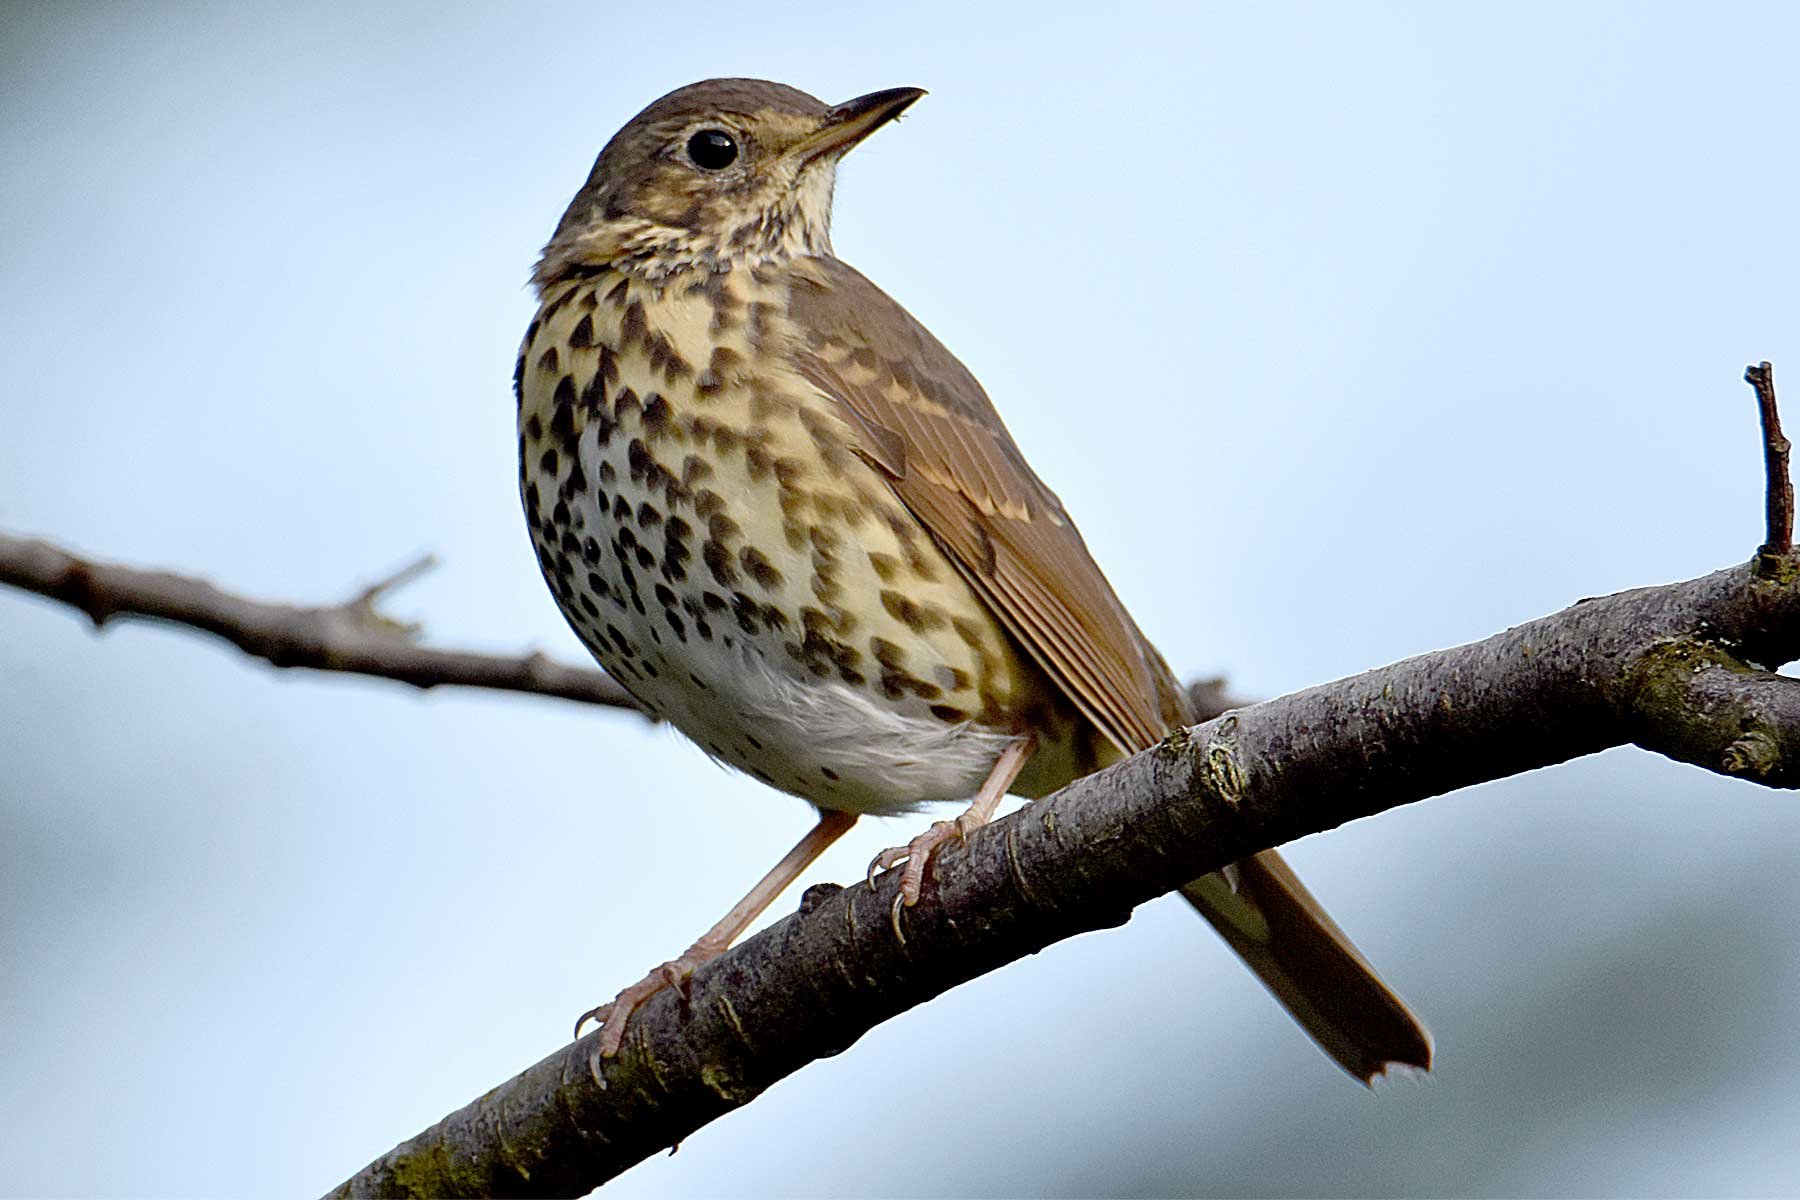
(1650, 666)
(352, 636)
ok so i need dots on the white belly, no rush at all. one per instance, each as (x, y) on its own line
(816, 738)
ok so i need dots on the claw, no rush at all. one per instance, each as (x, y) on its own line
(887, 860)
(597, 1015)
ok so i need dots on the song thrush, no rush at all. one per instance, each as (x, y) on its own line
(792, 524)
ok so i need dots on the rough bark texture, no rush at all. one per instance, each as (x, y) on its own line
(1670, 668)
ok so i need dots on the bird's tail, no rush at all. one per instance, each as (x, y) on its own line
(1266, 914)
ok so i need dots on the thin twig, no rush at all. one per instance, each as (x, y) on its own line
(352, 637)
(1780, 485)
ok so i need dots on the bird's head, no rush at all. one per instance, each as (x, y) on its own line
(715, 174)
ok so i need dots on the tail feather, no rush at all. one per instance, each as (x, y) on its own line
(1306, 961)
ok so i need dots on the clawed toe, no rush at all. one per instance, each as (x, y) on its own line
(914, 857)
(614, 1015)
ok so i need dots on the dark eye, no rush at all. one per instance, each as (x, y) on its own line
(712, 149)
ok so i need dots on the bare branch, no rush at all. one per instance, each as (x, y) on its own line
(1780, 485)
(353, 636)
(1679, 669)
(1645, 666)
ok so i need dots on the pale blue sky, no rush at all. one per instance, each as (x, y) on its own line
(1431, 320)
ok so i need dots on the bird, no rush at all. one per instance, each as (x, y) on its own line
(792, 524)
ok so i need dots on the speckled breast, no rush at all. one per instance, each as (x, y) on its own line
(708, 529)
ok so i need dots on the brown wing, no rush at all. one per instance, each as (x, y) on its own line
(935, 433)
(931, 428)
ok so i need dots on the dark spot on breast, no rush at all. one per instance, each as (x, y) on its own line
(534, 428)
(593, 396)
(548, 463)
(582, 336)
(675, 550)
(917, 617)
(562, 419)
(627, 405)
(664, 358)
(647, 516)
(551, 309)
(747, 611)
(886, 565)
(722, 528)
(632, 324)
(887, 653)
(549, 360)
(694, 469)
(718, 561)
(947, 712)
(656, 416)
(637, 456)
(758, 567)
(759, 462)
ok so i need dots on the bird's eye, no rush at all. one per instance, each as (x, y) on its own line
(712, 149)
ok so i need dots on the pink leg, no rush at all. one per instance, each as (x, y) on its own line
(715, 941)
(917, 853)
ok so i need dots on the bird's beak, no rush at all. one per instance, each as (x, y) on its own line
(854, 120)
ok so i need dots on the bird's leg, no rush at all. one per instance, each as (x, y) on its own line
(917, 853)
(715, 941)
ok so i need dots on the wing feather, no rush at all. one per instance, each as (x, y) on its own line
(934, 432)
(950, 460)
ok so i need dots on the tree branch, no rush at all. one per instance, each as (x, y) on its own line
(1780, 484)
(1647, 666)
(1679, 669)
(352, 636)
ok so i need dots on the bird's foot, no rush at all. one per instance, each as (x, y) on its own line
(915, 856)
(613, 1015)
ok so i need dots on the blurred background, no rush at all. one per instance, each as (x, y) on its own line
(1453, 304)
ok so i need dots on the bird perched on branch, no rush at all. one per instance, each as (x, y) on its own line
(792, 524)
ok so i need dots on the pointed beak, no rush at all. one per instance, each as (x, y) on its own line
(854, 120)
